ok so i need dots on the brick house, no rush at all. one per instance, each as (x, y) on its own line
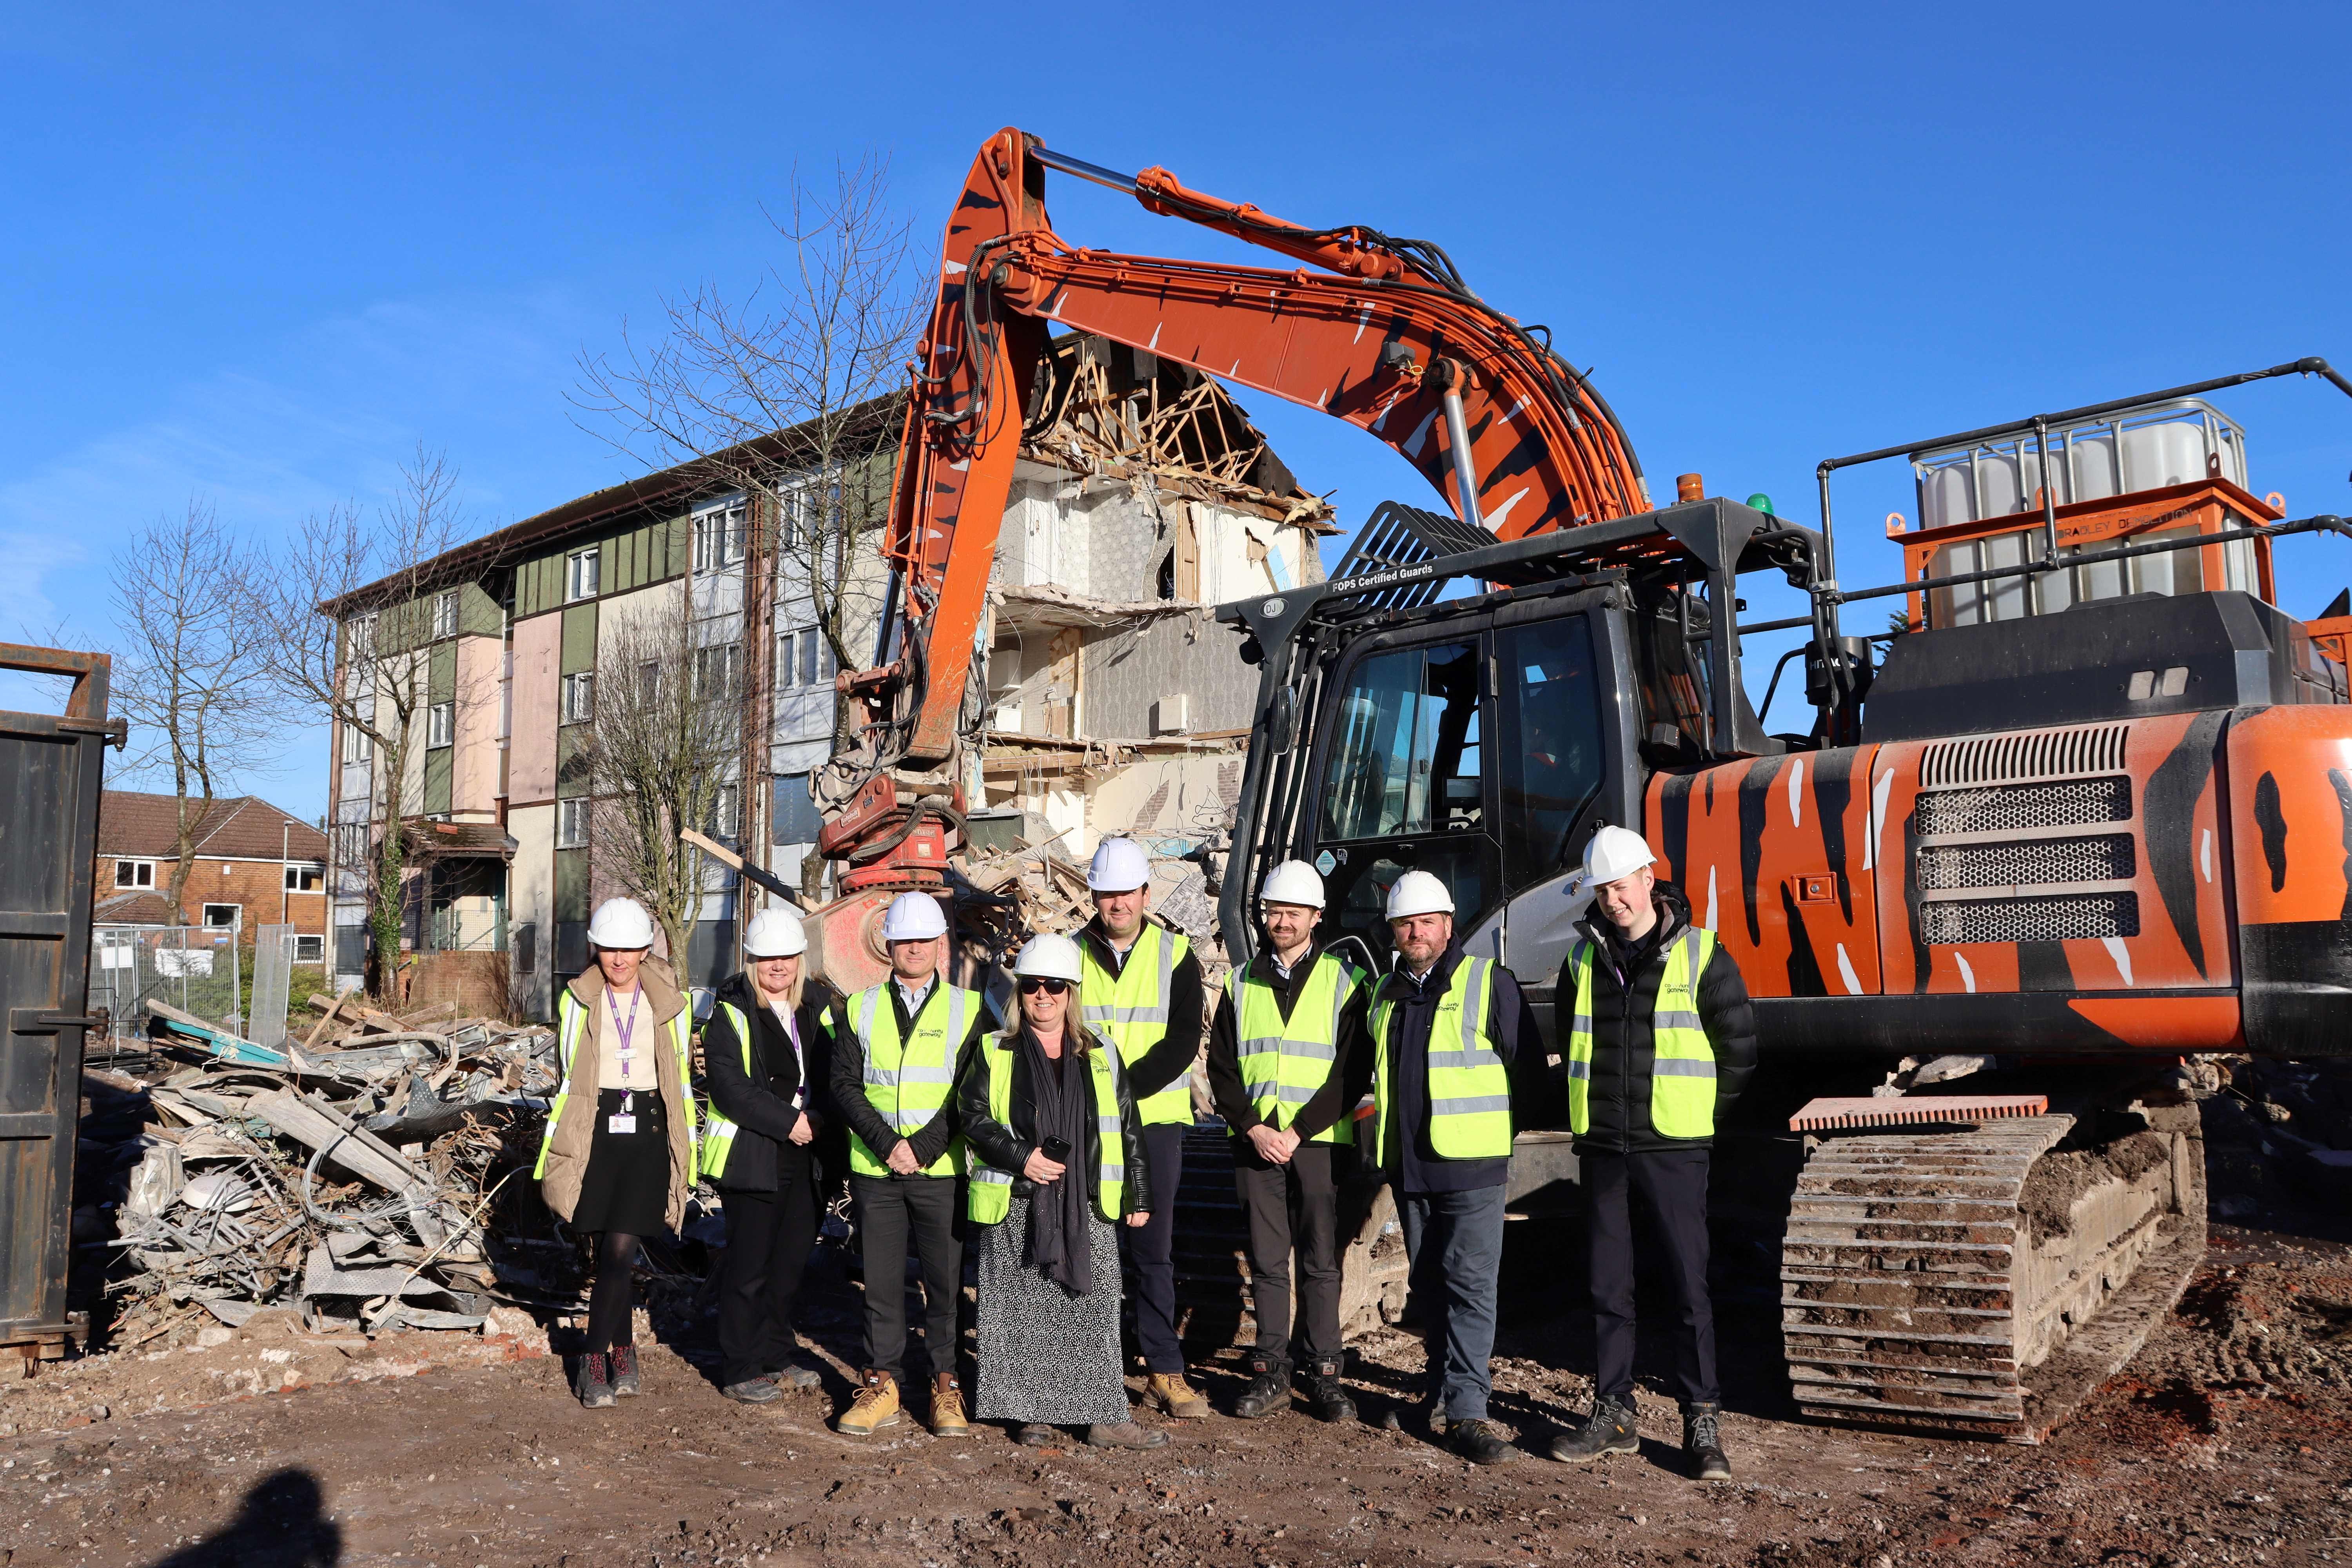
(256, 865)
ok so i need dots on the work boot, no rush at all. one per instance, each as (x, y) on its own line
(593, 1381)
(1269, 1389)
(797, 1373)
(1480, 1443)
(1610, 1431)
(1038, 1434)
(1126, 1434)
(1702, 1443)
(1176, 1397)
(753, 1391)
(875, 1406)
(1324, 1397)
(624, 1370)
(947, 1408)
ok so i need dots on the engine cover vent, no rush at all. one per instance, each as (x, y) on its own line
(2072, 917)
(2017, 809)
(2031, 754)
(2109, 858)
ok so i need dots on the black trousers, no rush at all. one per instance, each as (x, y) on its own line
(1151, 1251)
(1673, 1188)
(769, 1238)
(929, 1210)
(1294, 1206)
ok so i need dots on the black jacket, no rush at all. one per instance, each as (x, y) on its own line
(858, 1112)
(1173, 1058)
(1622, 1049)
(1008, 1147)
(1226, 1085)
(760, 1102)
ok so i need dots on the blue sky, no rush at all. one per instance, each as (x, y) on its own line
(257, 255)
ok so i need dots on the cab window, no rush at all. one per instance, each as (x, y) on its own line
(1551, 756)
(1406, 756)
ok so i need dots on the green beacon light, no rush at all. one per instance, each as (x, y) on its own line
(1762, 503)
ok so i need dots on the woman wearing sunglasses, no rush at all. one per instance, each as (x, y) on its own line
(1058, 1166)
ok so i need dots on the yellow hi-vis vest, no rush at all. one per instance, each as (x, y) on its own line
(718, 1140)
(1681, 1072)
(1469, 1089)
(1285, 1062)
(1129, 1009)
(989, 1197)
(571, 1017)
(908, 1080)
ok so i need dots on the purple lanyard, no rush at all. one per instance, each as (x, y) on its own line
(625, 1028)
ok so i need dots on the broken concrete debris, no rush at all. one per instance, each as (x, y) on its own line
(373, 1177)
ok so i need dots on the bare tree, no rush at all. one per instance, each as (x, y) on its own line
(668, 723)
(184, 671)
(341, 622)
(788, 396)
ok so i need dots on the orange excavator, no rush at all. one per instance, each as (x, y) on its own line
(2078, 824)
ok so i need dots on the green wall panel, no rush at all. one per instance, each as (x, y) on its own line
(437, 778)
(579, 638)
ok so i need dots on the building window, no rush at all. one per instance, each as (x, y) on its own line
(580, 696)
(440, 724)
(571, 824)
(352, 846)
(718, 536)
(718, 672)
(649, 685)
(359, 746)
(134, 873)
(803, 659)
(359, 639)
(444, 614)
(526, 948)
(309, 949)
(304, 879)
(221, 917)
(724, 805)
(580, 574)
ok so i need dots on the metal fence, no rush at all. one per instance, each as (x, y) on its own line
(193, 968)
(273, 977)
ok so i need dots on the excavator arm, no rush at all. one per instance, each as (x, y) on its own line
(1378, 331)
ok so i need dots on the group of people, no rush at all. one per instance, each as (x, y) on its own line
(1051, 1143)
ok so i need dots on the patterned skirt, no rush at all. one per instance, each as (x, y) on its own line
(1044, 1355)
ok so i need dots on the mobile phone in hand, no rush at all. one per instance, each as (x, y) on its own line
(1056, 1149)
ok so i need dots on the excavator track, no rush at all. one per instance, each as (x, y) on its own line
(1978, 1279)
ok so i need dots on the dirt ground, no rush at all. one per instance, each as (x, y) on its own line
(2229, 1439)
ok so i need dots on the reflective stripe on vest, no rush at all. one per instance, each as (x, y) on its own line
(1469, 1089)
(1129, 1009)
(1286, 1062)
(1682, 1077)
(990, 1196)
(719, 1141)
(571, 1017)
(908, 1080)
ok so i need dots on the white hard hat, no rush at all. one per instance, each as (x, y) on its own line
(621, 923)
(1615, 852)
(1419, 893)
(1048, 957)
(1119, 865)
(914, 917)
(1292, 882)
(774, 933)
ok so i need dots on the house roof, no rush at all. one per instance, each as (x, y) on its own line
(141, 908)
(238, 827)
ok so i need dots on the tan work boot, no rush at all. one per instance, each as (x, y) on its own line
(1178, 1398)
(947, 1408)
(875, 1406)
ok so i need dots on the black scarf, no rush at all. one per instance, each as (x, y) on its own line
(1060, 1245)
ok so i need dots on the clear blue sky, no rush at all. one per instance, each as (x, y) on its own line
(258, 254)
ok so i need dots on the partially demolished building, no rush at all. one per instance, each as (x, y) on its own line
(1115, 701)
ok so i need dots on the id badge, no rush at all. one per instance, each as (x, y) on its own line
(620, 1121)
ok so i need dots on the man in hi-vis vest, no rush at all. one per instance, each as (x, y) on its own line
(1456, 1063)
(1140, 989)
(897, 1050)
(1289, 1021)
(1658, 1040)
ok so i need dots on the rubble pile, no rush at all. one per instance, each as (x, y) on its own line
(372, 1176)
